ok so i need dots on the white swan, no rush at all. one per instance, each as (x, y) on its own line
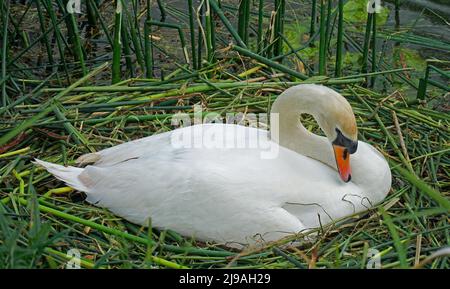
(237, 195)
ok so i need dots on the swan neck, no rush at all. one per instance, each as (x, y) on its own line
(288, 131)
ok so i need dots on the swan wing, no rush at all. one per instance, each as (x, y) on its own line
(126, 151)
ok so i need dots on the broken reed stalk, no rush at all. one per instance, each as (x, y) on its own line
(117, 49)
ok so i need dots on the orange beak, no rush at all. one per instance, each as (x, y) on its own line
(342, 157)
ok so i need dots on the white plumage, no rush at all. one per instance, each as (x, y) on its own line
(231, 195)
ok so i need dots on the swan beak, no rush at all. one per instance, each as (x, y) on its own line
(342, 157)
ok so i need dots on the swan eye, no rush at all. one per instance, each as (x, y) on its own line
(343, 141)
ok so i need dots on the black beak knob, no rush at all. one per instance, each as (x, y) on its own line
(353, 146)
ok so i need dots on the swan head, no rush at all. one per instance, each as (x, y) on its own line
(337, 120)
(332, 112)
(343, 147)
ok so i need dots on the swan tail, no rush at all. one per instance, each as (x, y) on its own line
(69, 175)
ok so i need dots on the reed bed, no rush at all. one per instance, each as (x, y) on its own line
(73, 84)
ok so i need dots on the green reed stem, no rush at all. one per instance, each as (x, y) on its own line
(295, 53)
(269, 62)
(180, 34)
(340, 39)
(374, 49)
(78, 49)
(91, 15)
(201, 21)
(401, 251)
(192, 33)
(94, 7)
(27, 96)
(58, 36)
(226, 22)
(148, 43)
(243, 20)
(132, 22)
(162, 10)
(45, 39)
(48, 106)
(423, 187)
(312, 27)
(107, 230)
(323, 40)
(5, 19)
(367, 41)
(208, 33)
(328, 25)
(117, 48)
(127, 47)
(76, 135)
(279, 27)
(260, 24)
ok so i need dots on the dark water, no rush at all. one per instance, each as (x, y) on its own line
(430, 17)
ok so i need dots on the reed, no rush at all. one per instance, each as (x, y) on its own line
(209, 33)
(192, 34)
(233, 60)
(280, 7)
(424, 81)
(329, 25)
(215, 6)
(244, 20)
(201, 21)
(117, 48)
(180, 34)
(5, 20)
(126, 47)
(260, 25)
(374, 49)
(93, 7)
(312, 27)
(58, 36)
(340, 39)
(48, 106)
(162, 10)
(91, 15)
(366, 46)
(75, 36)
(323, 40)
(131, 24)
(45, 39)
(148, 43)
